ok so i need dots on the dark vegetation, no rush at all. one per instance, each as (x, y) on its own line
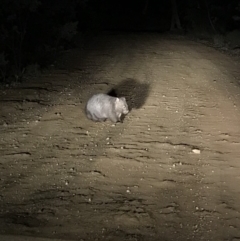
(34, 32)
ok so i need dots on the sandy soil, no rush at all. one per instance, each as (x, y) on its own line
(170, 171)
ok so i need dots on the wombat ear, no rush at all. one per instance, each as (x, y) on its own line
(123, 98)
(117, 100)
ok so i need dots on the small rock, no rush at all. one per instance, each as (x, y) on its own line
(196, 151)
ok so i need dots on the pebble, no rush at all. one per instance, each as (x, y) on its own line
(196, 151)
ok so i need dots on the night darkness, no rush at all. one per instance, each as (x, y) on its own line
(119, 120)
(35, 31)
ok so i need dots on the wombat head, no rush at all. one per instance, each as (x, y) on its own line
(121, 105)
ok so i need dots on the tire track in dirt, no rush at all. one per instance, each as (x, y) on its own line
(139, 180)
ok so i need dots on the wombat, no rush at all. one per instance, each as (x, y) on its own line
(101, 107)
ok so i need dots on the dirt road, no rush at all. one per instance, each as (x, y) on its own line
(170, 171)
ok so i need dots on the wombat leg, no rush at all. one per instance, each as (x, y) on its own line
(89, 116)
(102, 119)
(114, 119)
(95, 118)
(119, 118)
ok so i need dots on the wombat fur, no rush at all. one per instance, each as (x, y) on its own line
(101, 107)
